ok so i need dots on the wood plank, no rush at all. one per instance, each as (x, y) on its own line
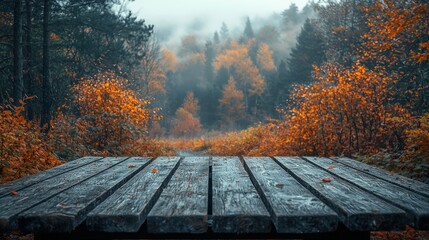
(65, 211)
(43, 175)
(413, 185)
(183, 204)
(12, 205)
(293, 208)
(127, 208)
(356, 208)
(416, 205)
(237, 207)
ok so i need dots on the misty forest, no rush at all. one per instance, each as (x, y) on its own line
(334, 78)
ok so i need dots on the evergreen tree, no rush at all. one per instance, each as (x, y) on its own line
(18, 89)
(290, 16)
(209, 101)
(308, 51)
(283, 85)
(248, 31)
(224, 33)
(216, 38)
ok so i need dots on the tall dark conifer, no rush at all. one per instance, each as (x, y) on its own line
(28, 73)
(309, 51)
(46, 81)
(248, 30)
(18, 89)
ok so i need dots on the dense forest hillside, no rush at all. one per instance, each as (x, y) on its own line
(333, 78)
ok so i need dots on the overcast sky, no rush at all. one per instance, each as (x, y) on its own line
(180, 17)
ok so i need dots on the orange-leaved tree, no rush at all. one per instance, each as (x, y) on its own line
(265, 57)
(344, 112)
(399, 40)
(247, 75)
(186, 121)
(108, 118)
(231, 105)
(24, 149)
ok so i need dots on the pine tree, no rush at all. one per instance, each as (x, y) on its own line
(18, 90)
(308, 51)
(216, 38)
(248, 31)
(224, 33)
(290, 16)
(283, 84)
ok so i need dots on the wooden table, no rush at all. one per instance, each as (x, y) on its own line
(213, 197)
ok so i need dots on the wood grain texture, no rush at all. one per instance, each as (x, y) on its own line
(12, 205)
(413, 185)
(237, 207)
(41, 176)
(183, 204)
(293, 208)
(127, 208)
(65, 211)
(356, 208)
(416, 205)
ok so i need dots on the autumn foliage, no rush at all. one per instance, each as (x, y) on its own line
(231, 104)
(345, 111)
(246, 73)
(366, 106)
(104, 117)
(23, 146)
(186, 122)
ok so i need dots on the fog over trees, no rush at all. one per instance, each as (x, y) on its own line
(84, 77)
(252, 56)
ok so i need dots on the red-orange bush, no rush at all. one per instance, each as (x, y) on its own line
(345, 111)
(23, 146)
(104, 118)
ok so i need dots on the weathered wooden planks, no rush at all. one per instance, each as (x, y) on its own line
(357, 209)
(413, 185)
(416, 205)
(127, 208)
(38, 177)
(293, 208)
(183, 205)
(12, 205)
(237, 206)
(65, 211)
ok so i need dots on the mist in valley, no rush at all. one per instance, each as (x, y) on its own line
(231, 68)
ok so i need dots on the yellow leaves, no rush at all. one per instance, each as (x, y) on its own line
(265, 58)
(232, 102)
(169, 60)
(231, 56)
(191, 104)
(185, 124)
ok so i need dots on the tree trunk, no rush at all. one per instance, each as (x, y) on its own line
(29, 64)
(46, 81)
(18, 86)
